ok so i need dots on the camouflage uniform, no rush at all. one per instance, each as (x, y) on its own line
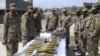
(12, 32)
(52, 22)
(83, 38)
(38, 19)
(27, 26)
(66, 24)
(76, 29)
(93, 27)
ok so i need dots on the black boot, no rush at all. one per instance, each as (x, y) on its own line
(76, 49)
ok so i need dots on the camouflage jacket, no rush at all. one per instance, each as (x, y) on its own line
(27, 25)
(38, 19)
(67, 21)
(52, 21)
(12, 28)
(76, 23)
(93, 25)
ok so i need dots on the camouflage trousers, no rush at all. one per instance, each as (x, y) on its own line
(76, 38)
(94, 51)
(82, 42)
(12, 48)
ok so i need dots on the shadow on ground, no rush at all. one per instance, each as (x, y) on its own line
(70, 51)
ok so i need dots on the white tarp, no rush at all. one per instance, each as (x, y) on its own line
(45, 35)
(61, 50)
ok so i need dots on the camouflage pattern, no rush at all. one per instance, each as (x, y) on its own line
(83, 38)
(12, 32)
(66, 24)
(38, 18)
(52, 22)
(93, 27)
(76, 29)
(27, 27)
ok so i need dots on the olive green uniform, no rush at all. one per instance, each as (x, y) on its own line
(83, 38)
(38, 19)
(27, 27)
(66, 24)
(12, 32)
(52, 22)
(93, 26)
(76, 29)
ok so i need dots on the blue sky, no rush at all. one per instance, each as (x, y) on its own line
(53, 3)
(60, 3)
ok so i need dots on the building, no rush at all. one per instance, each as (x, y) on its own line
(21, 6)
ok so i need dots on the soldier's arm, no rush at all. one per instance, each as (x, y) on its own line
(59, 22)
(56, 23)
(74, 20)
(6, 25)
(47, 21)
(64, 24)
(70, 21)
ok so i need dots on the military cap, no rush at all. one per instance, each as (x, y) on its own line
(79, 9)
(12, 5)
(64, 10)
(84, 9)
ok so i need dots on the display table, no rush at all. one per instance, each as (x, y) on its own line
(60, 50)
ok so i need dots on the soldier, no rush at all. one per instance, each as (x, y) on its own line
(76, 21)
(11, 30)
(83, 38)
(52, 21)
(28, 25)
(93, 30)
(38, 18)
(66, 25)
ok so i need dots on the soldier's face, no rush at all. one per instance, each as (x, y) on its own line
(79, 13)
(13, 10)
(30, 11)
(65, 12)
